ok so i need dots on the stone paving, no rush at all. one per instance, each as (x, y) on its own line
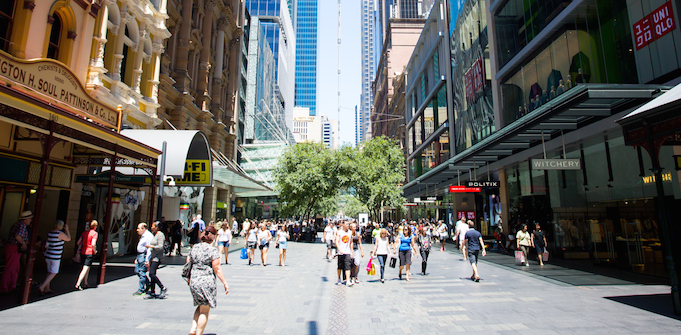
(302, 298)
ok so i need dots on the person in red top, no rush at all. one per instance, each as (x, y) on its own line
(17, 242)
(88, 250)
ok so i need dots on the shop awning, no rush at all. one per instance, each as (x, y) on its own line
(243, 185)
(658, 119)
(576, 108)
(188, 154)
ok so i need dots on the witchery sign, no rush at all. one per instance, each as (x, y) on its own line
(556, 164)
(56, 82)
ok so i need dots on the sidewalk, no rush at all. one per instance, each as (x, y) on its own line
(302, 298)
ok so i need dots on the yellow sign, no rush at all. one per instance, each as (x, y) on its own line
(196, 172)
(651, 179)
(56, 82)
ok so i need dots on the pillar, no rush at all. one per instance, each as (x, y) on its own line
(182, 52)
(203, 78)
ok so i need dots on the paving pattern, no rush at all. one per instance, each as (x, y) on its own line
(302, 298)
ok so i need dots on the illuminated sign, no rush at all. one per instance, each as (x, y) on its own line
(556, 164)
(56, 82)
(492, 183)
(463, 189)
(475, 78)
(197, 172)
(651, 179)
(654, 25)
(677, 162)
(470, 215)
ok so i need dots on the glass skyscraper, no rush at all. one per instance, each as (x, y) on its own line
(306, 54)
(368, 70)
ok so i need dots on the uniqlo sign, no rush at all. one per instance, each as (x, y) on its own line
(654, 25)
(475, 79)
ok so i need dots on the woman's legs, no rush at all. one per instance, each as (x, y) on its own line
(83, 275)
(424, 261)
(408, 270)
(227, 254)
(401, 267)
(540, 254)
(220, 250)
(381, 261)
(200, 319)
(263, 255)
(45, 287)
(154, 279)
(525, 251)
(251, 254)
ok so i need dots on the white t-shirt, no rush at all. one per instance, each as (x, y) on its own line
(382, 245)
(262, 236)
(344, 239)
(253, 235)
(462, 232)
(224, 235)
(282, 236)
(328, 233)
(442, 230)
(235, 226)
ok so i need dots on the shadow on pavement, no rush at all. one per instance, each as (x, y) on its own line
(660, 304)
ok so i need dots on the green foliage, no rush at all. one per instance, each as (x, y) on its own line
(351, 206)
(310, 176)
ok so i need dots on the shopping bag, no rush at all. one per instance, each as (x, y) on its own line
(244, 253)
(373, 270)
(545, 256)
(519, 257)
(393, 262)
(369, 265)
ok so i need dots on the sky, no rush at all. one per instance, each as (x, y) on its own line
(327, 64)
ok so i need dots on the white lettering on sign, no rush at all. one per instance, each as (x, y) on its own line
(658, 23)
(56, 82)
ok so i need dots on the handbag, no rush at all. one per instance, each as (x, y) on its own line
(373, 270)
(393, 262)
(244, 253)
(369, 265)
(519, 257)
(545, 256)
(187, 271)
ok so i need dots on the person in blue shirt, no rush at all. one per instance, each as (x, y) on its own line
(473, 239)
(406, 245)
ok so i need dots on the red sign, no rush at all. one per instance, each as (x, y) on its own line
(654, 25)
(470, 215)
(463, 189)
(475, 78)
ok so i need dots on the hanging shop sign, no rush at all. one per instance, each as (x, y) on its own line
(53, 80)
(469, 215)
(677, 162)
(104, 178)
(426, 199)
(475, 78)
(556, 164)
(197, 172)
(486, 184)
(658, 23)
(463, 189)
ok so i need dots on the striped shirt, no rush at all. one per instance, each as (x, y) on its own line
(54, 246)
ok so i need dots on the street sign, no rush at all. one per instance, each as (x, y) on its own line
(493, 183)
(463, 189)
(556, 164)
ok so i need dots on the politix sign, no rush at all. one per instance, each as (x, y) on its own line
(57, 82)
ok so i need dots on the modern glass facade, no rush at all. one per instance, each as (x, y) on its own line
(306, 55)
(368, 68)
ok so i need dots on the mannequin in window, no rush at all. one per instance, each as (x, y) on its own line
(561, 88)
(537, 102)
(552, 94)
(568, 84)
(526, 110)
(531, 105)
(520, 112)
(544, 97)
(580, 76)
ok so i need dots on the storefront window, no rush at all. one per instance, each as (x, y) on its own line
(418, 139)
(444, 147)
(428, 120)
(441, 104)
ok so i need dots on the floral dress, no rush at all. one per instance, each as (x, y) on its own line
(202, 282)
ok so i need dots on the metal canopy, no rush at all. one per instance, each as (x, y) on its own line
(576, 108)
(242, 183)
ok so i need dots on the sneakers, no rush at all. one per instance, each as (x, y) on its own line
(527, 264)
(138, 292)
(339, 282)
(163, 293)
(151, 296)
(350, 283)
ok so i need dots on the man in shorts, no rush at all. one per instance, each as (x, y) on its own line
(329, 238)
(474, 243)
(344, 245)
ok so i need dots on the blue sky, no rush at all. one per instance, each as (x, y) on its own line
(327, 74)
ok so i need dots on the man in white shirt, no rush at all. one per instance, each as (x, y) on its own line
(329, 238)
(344, 245)
(235, 230)
(462, 229)
(142, 255)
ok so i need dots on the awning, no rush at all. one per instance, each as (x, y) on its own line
(578, 107)
(658, 119)
(243, 185)
(188, 154)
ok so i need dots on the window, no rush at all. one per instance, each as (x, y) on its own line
(6, 20)
(55, 37)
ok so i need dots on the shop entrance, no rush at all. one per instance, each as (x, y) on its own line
(12, 205)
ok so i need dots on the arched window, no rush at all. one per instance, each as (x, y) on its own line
(55, 38)
(124, 61)
(6, 21)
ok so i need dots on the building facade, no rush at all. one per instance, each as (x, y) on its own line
(530, 86)
(306, 55)
(368, 45)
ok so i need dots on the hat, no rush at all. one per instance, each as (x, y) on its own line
(26, 215)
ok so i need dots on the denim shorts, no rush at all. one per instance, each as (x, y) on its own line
(282, 245)
(224, 244)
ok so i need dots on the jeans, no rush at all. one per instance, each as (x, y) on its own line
(381, 261)
(154, 279)
(526, 251)
(424, 260)
(141, 272)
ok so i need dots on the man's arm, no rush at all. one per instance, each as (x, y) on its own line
(482, 245)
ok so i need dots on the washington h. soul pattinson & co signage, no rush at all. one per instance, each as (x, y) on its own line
(55, 81)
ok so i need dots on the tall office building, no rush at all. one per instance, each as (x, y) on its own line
(306, 54)
(368, 69)
(277, 24)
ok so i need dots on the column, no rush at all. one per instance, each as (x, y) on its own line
(182, 54)
(204, 62)
(216, 97)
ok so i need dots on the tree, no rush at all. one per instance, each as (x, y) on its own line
(351, 206)
(306, 174)
(379, 172)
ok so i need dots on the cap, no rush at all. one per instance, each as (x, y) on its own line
(26, 215)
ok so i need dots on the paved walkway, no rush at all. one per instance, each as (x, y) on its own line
(302, 298)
